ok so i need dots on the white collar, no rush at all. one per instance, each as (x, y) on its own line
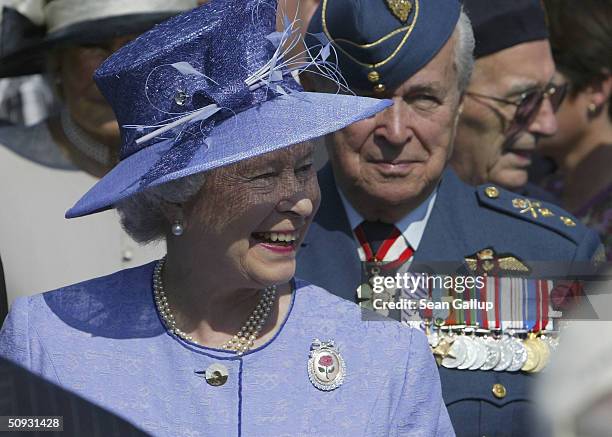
(412, 226)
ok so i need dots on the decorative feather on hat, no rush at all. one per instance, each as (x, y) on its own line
(209, 88)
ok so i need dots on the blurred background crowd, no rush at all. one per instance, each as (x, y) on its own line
(58, 136)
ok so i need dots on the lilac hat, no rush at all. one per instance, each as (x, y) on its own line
(209, 88)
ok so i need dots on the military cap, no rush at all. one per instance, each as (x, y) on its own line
(381, 43)
(500, 24)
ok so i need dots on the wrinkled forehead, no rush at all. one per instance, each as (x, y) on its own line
(518, 67)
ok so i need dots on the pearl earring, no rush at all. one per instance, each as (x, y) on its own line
(592, 108)
(177, 228)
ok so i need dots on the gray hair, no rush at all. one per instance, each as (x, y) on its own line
(464, 51)
(142, 215)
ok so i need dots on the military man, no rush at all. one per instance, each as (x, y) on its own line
(512, 99)
(388, 197)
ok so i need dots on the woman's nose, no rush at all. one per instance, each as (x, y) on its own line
(301, 206)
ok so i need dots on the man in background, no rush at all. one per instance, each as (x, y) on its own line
(389, 198)
(511, 100)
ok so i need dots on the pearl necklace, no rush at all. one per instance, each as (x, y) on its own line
(240, 343)
(83, 142)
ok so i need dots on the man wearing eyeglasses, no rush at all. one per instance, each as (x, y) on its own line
(511, 100)
(389, 199)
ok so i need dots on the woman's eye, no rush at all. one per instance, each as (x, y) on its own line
(305, 167)
(268, 175)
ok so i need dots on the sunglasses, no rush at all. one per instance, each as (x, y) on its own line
(528, 105)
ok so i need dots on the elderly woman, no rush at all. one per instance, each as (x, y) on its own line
(46, 167)
(218, 338)
(581, 39)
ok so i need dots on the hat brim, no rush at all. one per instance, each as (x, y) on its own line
(30, 57)
(278, 123)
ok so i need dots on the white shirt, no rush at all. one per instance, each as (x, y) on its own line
(411, 226)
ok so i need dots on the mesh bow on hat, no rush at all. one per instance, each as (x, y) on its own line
(210, 88)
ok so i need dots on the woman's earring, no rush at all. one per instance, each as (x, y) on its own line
(177, 228)
(592, 108)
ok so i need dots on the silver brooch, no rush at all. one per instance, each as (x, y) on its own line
(326, 367)
(180, 98)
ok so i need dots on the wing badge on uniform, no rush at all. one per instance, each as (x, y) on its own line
(486, 261)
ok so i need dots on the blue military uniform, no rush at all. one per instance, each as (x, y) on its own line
(464, 220)
(379, 44)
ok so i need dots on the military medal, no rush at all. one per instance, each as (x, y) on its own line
(481, 354)
(471, 353)
(507, 354)
(551, 341)
(457, 352)
(493, 354)
(326, 367)
(442, 350)
(364, 296)
(544, 353)
(519, 356)
(533, 357)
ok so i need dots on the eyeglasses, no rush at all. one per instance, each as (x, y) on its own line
(528, 105)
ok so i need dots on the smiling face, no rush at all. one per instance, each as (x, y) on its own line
(483, 152)
(250, 218)
(388, 164)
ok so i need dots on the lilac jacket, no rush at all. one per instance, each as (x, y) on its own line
(104, 340)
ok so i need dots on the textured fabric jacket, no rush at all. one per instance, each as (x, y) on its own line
(103, 340)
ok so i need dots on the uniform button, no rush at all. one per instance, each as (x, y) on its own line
(546, 212)
(499, 391)
(216, 374)
(127, 255)
(492, 192)
(568, 221)
(379, 88)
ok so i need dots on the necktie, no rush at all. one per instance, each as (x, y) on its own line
(378, 236)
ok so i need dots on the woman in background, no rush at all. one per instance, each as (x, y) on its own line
(44, 168)
(581, 39)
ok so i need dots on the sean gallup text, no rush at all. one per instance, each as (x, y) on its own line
(426, 304)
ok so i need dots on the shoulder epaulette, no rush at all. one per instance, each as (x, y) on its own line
(535, 211)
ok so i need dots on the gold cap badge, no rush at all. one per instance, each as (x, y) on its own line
(400, 8)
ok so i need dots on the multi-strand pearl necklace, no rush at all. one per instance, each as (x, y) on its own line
(239, 343)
